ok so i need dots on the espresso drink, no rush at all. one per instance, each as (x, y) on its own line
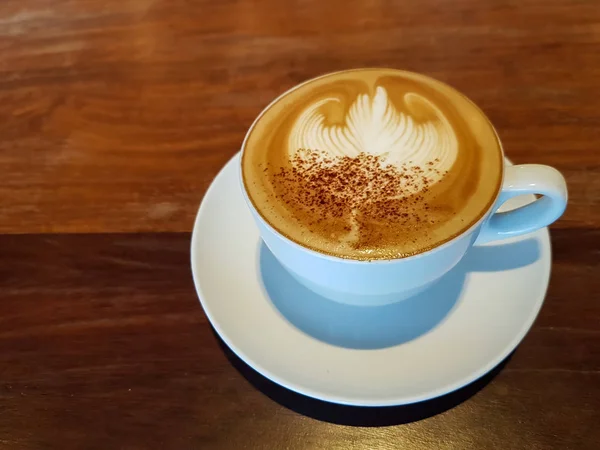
(372, 164)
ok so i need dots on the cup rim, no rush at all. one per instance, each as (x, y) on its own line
(482, 218)
(329, 257)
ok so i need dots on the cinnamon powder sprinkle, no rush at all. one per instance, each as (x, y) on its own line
(361, 200)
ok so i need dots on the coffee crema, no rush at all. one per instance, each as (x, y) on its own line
(372, 164)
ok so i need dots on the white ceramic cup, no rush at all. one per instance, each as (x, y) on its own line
(381, 282)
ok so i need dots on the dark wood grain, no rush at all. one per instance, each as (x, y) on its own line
(115, 115)
(103, 345)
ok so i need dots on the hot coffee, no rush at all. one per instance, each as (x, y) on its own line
(372, 164)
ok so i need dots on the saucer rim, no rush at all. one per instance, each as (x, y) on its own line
(544, 236)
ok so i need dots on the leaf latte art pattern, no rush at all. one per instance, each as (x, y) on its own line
(373, 125)
(372, 164)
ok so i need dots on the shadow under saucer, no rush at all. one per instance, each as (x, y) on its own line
(356, 415)
(360, 327)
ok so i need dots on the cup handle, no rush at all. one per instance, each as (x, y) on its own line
(520, 180)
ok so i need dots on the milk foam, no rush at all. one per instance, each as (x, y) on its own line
(374, 126)
(353, 164)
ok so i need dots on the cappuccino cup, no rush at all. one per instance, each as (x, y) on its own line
(369, 185)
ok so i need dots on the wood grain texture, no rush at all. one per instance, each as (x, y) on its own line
(136, 104)
(115, 115)
(103, 345)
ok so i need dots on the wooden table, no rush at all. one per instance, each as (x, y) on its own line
(115, 115)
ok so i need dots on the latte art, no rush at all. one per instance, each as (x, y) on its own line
(375, 127)
(371, 164)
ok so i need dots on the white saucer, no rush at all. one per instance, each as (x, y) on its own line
(402, 353)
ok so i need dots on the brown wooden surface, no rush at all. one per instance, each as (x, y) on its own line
(115, 115)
